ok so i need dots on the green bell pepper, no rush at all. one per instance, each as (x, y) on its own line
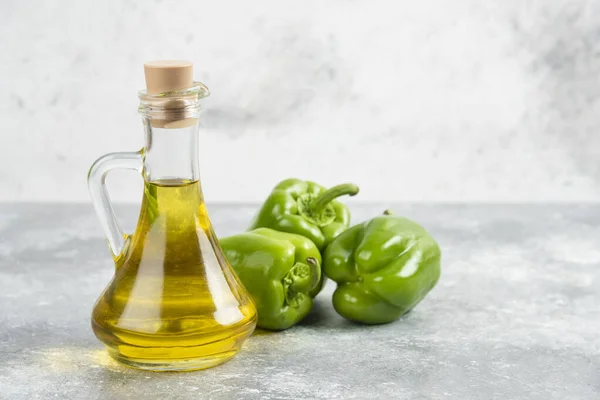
(307, 209)
(384, 267)
(280, 271)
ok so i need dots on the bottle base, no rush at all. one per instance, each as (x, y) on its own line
(192, 364)
(174, 352)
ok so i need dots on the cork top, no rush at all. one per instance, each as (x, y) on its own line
(168, 75)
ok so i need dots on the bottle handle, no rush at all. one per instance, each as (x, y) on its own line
(117, 239)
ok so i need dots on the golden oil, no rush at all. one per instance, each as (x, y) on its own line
(174, 302)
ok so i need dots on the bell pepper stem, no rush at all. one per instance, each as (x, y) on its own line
(310, 279)
(332, 193)
(315, 272)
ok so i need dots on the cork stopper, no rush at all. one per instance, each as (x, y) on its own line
(168, 75)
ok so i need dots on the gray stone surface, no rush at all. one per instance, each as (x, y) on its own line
(516, 315)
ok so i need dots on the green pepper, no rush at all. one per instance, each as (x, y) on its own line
(307, 209)
(280, 271)
(384, 267)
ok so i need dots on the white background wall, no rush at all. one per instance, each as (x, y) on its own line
(460, 100)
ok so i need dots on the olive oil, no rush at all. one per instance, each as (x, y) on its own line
(174, 302)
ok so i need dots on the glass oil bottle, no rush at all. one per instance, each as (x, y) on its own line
(174, 302)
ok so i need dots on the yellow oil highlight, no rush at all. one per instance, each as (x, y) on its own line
(174, 302)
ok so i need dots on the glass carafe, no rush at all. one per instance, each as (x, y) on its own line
(174, 302)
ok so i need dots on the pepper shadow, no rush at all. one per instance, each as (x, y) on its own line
(321, 314)
(324, 315)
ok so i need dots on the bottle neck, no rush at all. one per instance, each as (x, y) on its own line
(171, 154)
(171, 123)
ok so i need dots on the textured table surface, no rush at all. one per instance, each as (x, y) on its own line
(516, 315)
